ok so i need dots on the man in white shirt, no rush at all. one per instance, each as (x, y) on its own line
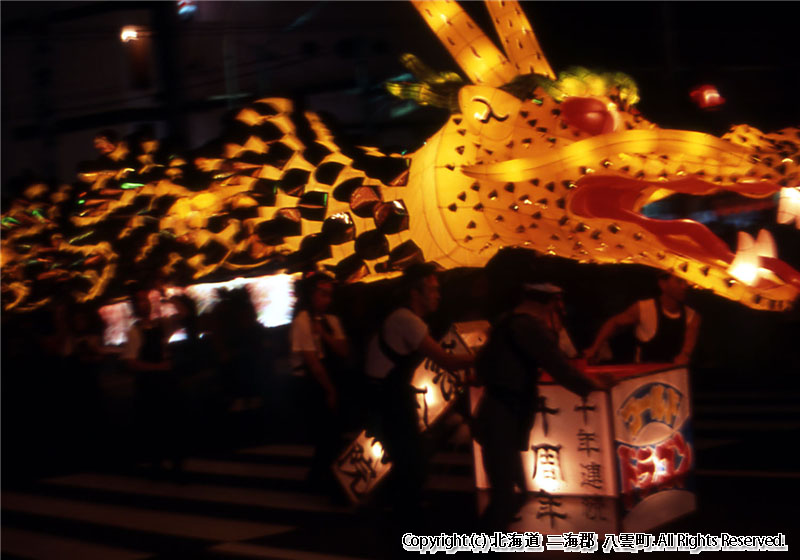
(393, 355)
(666, 328)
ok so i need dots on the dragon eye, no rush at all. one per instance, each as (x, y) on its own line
(484, 111)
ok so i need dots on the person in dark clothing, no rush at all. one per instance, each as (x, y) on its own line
(145, 355)
(243, 363)
(246, 341)
(192, 370)
(145, 349)
(85, 357)
(666, 328)
(520, 343)
(319, 365)
(393, 355)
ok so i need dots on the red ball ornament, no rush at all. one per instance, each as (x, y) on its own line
(587, 114)
(706, 96)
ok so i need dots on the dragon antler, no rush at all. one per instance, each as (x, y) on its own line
(474, 52)
(519, 40)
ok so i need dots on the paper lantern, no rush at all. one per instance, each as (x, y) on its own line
(615, 461)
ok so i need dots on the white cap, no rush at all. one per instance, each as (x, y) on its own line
(546, 288)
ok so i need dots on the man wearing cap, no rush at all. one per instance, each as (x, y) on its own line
(666, 328)
(520, 343)
(555, 316)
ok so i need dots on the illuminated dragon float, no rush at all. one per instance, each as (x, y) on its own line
(561, 165)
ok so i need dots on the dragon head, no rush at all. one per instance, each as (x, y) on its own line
(565, 166)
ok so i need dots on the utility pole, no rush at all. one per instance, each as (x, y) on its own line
(43, 78)
(165, 29)
(670, 76)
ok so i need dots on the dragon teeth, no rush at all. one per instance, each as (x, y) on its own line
(746, 264)
(765, 245)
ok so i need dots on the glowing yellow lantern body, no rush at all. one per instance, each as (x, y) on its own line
(560, 164)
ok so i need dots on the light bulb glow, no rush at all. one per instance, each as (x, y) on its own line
(129, 34)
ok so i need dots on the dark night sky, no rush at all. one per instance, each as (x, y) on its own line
(747, 49)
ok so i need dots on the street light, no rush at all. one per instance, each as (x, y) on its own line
(128, 34)
(137, 46)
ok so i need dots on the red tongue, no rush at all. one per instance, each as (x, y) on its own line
(781, 270)
(613, 197)
(688, 185)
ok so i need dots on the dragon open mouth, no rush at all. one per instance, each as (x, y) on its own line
(621, 199)
(648, 165)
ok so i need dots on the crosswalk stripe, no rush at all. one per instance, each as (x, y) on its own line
(307, 451)
(254, 470)
(166, 523)
(39, 546)
(746, 409)
(747, 395)
(100, 534)
(199, 492)
(463, 459)
(290, 450)
(745, 426)
(746, 474)
(451, 483)
(710, 443)
(260, 551)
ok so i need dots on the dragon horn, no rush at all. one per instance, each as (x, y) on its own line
(474, 52)
(518, 39)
